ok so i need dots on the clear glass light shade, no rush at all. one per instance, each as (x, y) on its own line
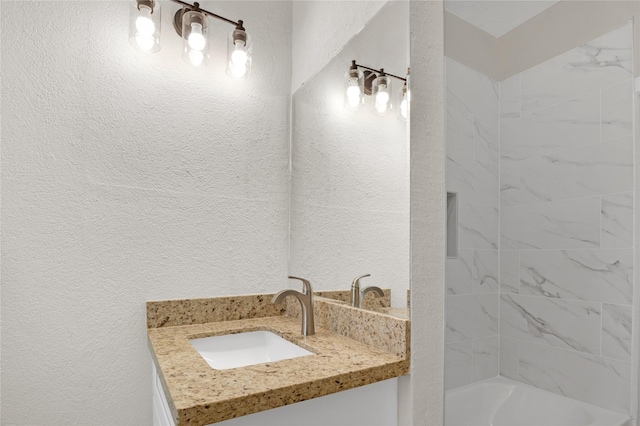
(238, 54)
(354, 89)
(144, 25)
(381, 92)
(405, 102)
(195, 38)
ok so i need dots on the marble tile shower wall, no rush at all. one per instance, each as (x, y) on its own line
(566, 223)
(472, 278)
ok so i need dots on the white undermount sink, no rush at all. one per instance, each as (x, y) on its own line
(243, 349)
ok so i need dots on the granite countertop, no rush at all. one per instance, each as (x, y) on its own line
(396, 312)
(200, 395)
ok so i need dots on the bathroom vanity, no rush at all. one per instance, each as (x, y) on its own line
(349, 379)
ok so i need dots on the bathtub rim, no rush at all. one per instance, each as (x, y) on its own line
(624, 418)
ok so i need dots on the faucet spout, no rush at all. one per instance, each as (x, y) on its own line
(355, 291)
(278, 298)
(306, 301)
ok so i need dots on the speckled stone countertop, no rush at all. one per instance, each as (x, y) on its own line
(396, 312)
(371, 301)
(200, 395)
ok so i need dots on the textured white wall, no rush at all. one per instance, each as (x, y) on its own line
(428, 206)
(321, 29)
(125, 178)
(635, 366)
(350, 174)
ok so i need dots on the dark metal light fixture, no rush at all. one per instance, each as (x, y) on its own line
(238, 52)
(376, 83)
(191, 22)
(354, 92)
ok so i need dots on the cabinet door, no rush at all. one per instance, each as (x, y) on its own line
(161, 412)
(369, 405)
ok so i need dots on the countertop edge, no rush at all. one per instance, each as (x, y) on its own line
(226, 410)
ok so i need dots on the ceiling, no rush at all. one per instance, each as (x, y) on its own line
(497, 17)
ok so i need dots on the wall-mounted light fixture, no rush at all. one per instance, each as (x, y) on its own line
(375, 83)
(405, 98)
(192, 24)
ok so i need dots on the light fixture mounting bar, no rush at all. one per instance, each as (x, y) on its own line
(196, 6)
(380, 71)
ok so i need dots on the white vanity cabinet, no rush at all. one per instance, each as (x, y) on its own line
(369, 405)
(161, 411)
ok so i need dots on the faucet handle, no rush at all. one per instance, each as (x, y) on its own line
(306, 285)
(356, 281)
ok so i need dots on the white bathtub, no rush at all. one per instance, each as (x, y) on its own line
(502, 402)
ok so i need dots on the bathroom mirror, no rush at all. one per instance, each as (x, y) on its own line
(349, 201)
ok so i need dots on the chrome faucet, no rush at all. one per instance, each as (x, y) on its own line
(357, 295)
(355, 291)
(306, 301)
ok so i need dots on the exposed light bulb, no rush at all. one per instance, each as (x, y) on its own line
(239, 56)
(145, 42)
(237, 70)
(196, 40)
(195, 57)
(353, 96)
(404, 105)
(144, 23)
(238, 61)
(404, 108)
(381, 107)
(382, 97)
(238, 53)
